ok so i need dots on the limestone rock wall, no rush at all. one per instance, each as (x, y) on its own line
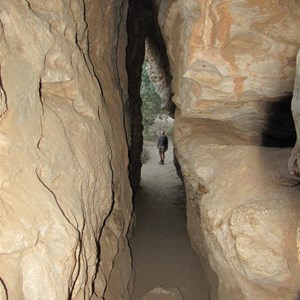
(294, 161)
(64, 189)
(233, 67)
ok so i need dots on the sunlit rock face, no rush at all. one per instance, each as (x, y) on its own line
(65, 196)
(233, 67)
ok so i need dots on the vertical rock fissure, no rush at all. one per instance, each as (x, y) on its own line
(141, 24)
(3, 290)
(3, 97)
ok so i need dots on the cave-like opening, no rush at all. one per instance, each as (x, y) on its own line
(155, 94)
(279, 130)
(220, 115)
(66, 200)
(161, 249)
(142, 25)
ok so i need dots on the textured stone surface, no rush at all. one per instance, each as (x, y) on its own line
(232, 61)
(233, 68)
(243, 212)
(65, 195)
(294, 162)
(64, 189)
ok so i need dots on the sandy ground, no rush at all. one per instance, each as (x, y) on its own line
(162, 255)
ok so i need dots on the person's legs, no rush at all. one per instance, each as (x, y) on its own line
(161, 154)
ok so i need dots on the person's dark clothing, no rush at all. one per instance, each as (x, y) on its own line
(163, 142)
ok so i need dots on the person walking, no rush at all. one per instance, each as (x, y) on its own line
(162, 146)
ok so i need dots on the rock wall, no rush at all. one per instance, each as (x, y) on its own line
(65, 195)
(233, 68)
(66, 120)
(294, 161)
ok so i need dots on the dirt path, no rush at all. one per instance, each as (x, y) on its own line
(162, 255)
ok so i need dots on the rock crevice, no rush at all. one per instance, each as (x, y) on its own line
(71, 139)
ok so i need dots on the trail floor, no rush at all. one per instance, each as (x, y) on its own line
(162, 255)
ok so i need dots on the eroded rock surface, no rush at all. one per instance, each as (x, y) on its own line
(294, 162)
(233, 61)
(233, 68)
(243, 213)
(65, 196)
(64, 189)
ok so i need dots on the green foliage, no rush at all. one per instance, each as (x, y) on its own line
(150, 135)
(151, 107)
(169, 131)
(145, 155)
(153, 133)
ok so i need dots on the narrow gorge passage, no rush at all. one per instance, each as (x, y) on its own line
(162, 255)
